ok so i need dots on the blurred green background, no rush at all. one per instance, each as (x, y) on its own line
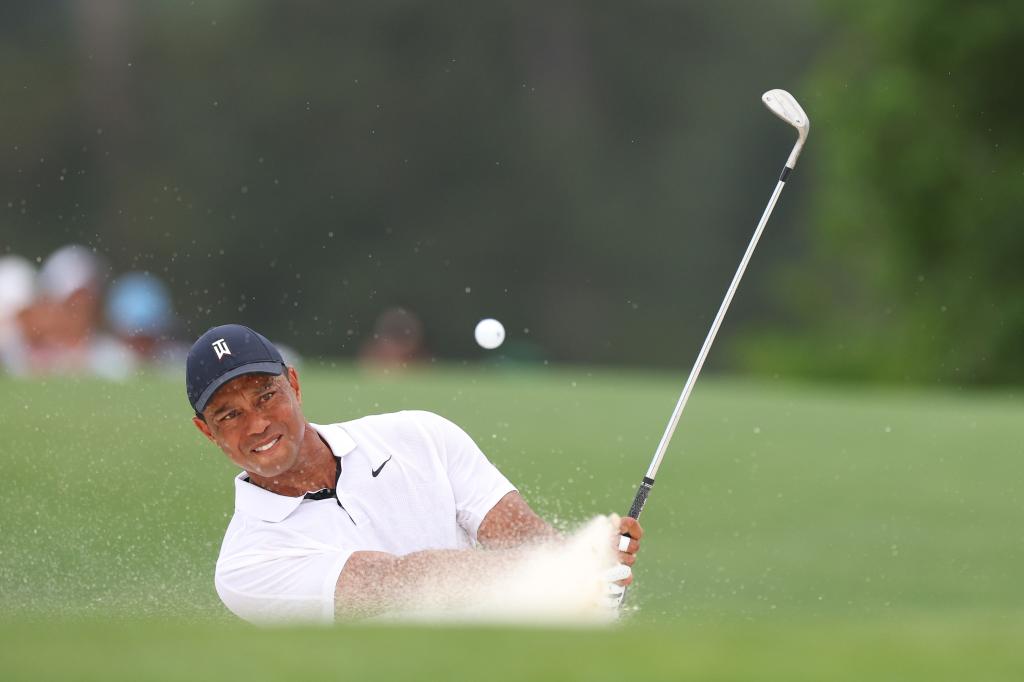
(586, 172)
(842, 499)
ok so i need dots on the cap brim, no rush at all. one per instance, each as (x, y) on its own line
(276, 368)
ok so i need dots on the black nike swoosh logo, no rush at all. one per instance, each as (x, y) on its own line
(377, 470)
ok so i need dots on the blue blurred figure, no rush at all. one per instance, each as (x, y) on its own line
(139, 312)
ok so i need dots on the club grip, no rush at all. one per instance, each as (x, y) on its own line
(635, 510)
(641, 497)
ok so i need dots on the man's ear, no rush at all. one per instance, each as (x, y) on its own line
(293, 381)
(204, 428)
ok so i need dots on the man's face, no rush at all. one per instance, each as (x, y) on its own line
(257, 421)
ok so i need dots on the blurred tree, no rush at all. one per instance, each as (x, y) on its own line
(915, 271)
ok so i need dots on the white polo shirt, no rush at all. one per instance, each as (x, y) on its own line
(282, 556)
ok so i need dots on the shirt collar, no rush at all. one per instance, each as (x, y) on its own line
(262, 504)
(341, 443)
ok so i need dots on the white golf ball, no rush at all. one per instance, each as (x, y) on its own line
(489, 333)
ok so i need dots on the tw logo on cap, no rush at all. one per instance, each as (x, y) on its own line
(220, 347)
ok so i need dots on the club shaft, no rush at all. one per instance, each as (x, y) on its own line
(640, 499)
(666, 438)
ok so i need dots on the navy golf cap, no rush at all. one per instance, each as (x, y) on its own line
(223, 353)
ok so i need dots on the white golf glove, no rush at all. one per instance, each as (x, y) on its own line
(614, 593)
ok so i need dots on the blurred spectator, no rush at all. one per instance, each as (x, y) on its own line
(17, 289)
(139, 312)
(397, 341)
(292, 358)
(71, 279)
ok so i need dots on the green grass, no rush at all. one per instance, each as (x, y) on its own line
(836, 652)
(795, 532)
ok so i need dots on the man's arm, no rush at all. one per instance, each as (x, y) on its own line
(511, 523)
(373, 583)
(377, 582)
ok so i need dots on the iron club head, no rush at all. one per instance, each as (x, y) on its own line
(785, 106)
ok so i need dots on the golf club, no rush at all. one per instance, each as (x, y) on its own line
(785, 106)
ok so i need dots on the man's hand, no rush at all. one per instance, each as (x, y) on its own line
(621, 575)
(628, 544)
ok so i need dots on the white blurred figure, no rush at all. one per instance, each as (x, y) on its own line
(71, 270)
(64, 320)
(17, 291)
(291, 356)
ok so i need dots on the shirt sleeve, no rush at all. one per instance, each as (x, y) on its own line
(476, 483)
(270, 584)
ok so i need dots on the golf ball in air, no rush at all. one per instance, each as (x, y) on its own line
(489, 333)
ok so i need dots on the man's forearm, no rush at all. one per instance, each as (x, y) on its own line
(374, 583)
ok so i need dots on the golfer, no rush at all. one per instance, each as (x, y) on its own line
(350, 519)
